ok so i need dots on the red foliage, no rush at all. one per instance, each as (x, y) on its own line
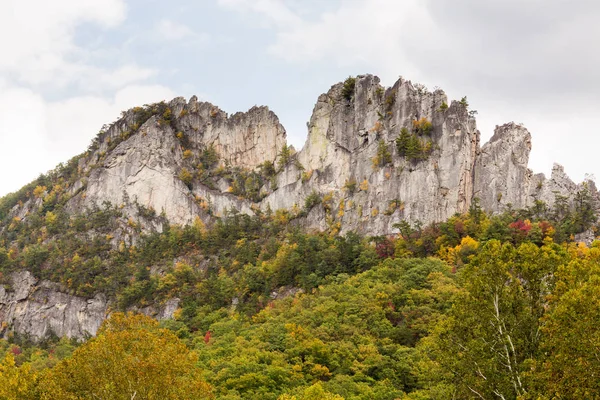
(521, 226)
(385, 248)
(207, 337)
(545, 227)
(16, 350)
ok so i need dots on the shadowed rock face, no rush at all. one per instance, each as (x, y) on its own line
(346, 133)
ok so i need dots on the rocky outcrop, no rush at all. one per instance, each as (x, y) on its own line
(501, 173)
(345, 136)
(155, 158)
(349, 126)
(36, 309)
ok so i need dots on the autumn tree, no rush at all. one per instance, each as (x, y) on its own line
(16, 383)
(131, 358)
(493, 331)
(571, 335)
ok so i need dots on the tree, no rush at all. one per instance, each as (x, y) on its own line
(571, 336)
(131, 358)
(493, 331)
(16, 382)
(414, 148)
(585, 211)
(402, 142)
(314, 392)
(383, 156)
(284, 156)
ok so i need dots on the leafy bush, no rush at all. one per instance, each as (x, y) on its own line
(312, 200)
(348, 88)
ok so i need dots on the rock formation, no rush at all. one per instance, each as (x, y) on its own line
(156, 158)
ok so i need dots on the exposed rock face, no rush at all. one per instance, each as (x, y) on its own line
(345, 133)
(501, 173)
(144, 168)
(35, 310)
(350, 160)
(344, 137)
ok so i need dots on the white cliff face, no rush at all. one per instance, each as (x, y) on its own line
(140, 160)
(502, 178)
(344, 137)
(145, 166)
(144, 169)
(36, 309)
(243, 139)
(501, 173)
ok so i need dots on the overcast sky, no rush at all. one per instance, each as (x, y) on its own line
(69, 66)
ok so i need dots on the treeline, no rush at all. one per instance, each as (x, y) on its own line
(514, 322)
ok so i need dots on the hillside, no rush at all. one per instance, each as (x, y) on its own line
(366, 265)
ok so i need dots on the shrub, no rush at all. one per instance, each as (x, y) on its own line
(350, 185)
(312, 200)
(348, 88)
(390, 100)
(186, 176)
(284, 156)
(383, 156)
(422, 126)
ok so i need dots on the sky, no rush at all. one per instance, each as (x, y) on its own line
(67, 67)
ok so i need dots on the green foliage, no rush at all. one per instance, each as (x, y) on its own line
(267, 169)
(312, 200)
(350, 185)
(348, 88)
(443, 106)
(186, 177)
(412, 147)
(464, 102)
(383, 157)
(284, 156)
(570, 331)
(353, 336)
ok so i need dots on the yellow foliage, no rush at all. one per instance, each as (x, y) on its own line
(199, 226)
(307, 175)
(364, 185)
(39, 191)
(378, 127)
(341, 208)
(314, 392)
(187, 154)
(130, 358)
(422, 126)
(16, 382)
(375, 212)
(51, 218)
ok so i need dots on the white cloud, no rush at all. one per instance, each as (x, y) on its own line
(528, 61)
(173, 31)
(276, 11)
(36, 135)
(38, 34)
(41, 52)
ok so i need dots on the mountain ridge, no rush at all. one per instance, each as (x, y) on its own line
(374, 157)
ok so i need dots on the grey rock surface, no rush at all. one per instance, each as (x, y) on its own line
(131, 166)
